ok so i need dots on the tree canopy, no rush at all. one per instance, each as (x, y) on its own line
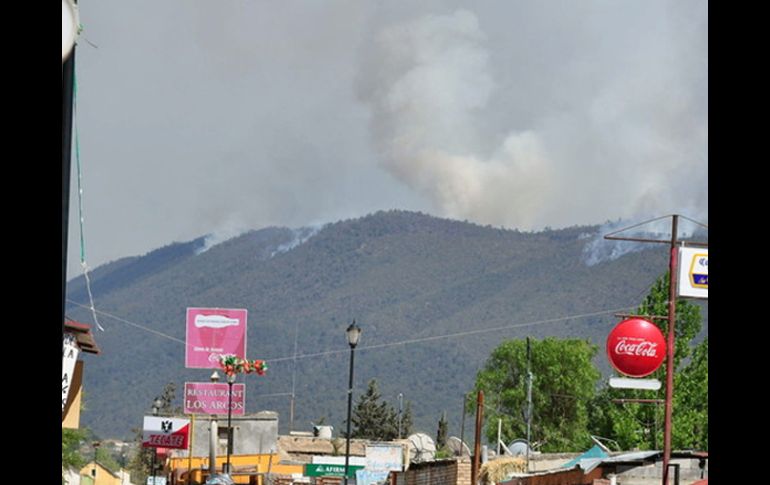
(641, 425)
(375, 419)
(564, 382)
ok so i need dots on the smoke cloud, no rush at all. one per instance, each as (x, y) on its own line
(602, 131)
(221, 117)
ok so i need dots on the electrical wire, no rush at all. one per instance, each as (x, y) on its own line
(384, 345)
(83, 263)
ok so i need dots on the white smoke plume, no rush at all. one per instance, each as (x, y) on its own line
(618, 139)
(299, 236)
(232, 227)
(600, 250)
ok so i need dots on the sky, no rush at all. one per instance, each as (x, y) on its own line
(200, 117)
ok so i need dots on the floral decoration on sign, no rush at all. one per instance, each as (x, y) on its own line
(232, 365)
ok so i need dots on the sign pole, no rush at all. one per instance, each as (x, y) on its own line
(672, 270)
(190, 449)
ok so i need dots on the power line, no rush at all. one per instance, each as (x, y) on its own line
(459, 334)
(389, 344)
(123, 320)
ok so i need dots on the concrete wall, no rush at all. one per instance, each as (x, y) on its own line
(253, 434)
(689, 472)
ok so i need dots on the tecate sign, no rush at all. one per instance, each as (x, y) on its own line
(636, 347)
(162, 432)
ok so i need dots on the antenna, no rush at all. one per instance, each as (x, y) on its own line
(596, 439)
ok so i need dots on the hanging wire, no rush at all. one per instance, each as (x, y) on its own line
(83, 263)
(384, 345)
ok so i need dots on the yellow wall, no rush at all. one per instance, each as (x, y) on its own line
(71, 413)
(103, 476)
(200, 466)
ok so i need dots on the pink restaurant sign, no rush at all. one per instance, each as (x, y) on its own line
(212, 332)
(212, 398)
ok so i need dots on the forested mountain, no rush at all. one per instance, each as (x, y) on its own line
(403, 276)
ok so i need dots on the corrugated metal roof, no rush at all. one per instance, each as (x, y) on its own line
(637, 457)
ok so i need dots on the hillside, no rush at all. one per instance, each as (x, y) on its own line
(403, 276)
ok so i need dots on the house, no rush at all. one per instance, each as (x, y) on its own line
(94, 473)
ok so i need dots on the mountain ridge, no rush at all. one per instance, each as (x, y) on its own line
(404, 276)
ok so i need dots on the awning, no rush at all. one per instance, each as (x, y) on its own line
(83, 335)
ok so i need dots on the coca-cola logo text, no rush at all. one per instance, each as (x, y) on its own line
(643, 348)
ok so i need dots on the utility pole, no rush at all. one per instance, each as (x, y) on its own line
(672, 268)
(529, 400)
(462, 425)
(477, 442)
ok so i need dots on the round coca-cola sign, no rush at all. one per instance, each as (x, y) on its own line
(636, 347)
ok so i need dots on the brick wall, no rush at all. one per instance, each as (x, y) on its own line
(442, 472)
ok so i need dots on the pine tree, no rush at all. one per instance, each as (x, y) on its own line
(406, 420)
(441, 434)
(373, 418)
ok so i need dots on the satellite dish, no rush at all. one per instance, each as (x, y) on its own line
(421, 448)
(457, 446)
(518, 447)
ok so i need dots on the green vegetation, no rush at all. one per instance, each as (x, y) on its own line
(636, 425)
(70, 454)
(374, 419)
(564, 382)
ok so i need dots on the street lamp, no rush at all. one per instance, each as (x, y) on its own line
(214, 434)
(156, 405)
(230, 381)
(353, 333)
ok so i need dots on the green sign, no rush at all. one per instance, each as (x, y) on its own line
(318, 470)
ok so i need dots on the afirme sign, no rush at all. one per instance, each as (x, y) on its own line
(694, 273)
(212, 398)
(318, 470)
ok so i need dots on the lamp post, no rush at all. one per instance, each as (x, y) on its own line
(214, 434)
(156, 405)
(230, 381)
(353, 333)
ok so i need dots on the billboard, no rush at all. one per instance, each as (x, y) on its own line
(212, 398)
(213, 332)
